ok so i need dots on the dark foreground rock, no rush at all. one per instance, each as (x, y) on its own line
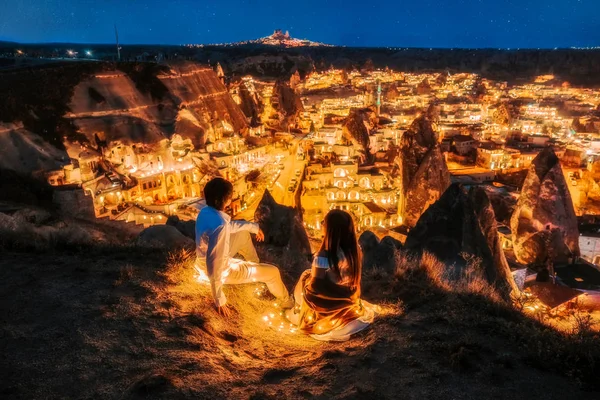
(544, 224)
(282, 225)
(164, 237)
(460, 229)
(187, 228)
(378, 254)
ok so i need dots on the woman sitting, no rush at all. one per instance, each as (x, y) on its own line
(328, 295)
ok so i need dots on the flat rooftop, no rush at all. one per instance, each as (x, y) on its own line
(580, 276)
(470, 171)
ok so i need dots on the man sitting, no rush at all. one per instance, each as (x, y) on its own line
(218, 238)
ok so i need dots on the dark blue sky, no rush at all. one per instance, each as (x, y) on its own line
(415, 23)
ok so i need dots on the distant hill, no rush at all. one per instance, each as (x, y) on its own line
(279, 39)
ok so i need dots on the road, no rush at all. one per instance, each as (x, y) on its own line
(279, 189)
(574, 189)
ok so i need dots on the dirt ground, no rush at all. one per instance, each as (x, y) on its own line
(126, 323)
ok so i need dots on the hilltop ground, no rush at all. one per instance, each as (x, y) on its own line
(129, 323)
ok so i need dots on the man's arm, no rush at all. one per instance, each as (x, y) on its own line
(237, 225)
(216, 260)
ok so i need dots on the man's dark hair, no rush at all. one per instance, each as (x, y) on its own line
(217, 191)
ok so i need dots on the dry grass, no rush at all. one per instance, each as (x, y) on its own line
(469, 280)
(142, 316)
(59, 234)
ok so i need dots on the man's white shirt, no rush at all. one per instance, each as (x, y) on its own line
(213, 228)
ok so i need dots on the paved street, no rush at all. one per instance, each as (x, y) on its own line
(573, 189)
(279, 189)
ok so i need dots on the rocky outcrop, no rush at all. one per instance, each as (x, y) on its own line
(424, 87)
(378, 254)
(187, 228)
(422, 170)
(164, 237)
(250, 102)
(356, 128)
(460, 229)
(544, 224)
(281, 225)
(286, 102)
(26, 152)
(147, 105)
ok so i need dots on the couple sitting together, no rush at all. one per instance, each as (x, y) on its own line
(326, 303)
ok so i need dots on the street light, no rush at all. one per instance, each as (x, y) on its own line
(88, 53)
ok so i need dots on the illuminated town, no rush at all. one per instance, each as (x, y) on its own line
(309, 159)
(317, 200)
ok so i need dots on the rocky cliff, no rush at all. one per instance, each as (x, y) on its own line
(357, 126)
(460, 229)
(421, 168)
(544, 225)
(137, 107)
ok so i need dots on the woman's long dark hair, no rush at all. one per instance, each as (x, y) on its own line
(341, 235)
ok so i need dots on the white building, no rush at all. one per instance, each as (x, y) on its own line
(589, 243)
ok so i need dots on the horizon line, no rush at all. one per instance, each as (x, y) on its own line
(325, 46)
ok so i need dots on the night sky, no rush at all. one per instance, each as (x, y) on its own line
(415, 23)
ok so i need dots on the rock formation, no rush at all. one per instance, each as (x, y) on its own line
(286, 102)
(378, 254)
(146, 106)
(295, 79)
(281, 225)
(357, 126)
(544, 225)
(424, 87)
(187, 228)
(460, 229)
(250, 102)
(164, 237)
(26, 152)
(422, 170)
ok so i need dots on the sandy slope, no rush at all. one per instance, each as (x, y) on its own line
(119, 323)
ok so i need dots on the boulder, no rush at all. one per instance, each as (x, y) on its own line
(460, 230)
(187, 228)
(421, 168)
(282, 225)
(368, 241)
(36, 216)
(544, 224)
(378, 254)
(8, 223)
(164, 237)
